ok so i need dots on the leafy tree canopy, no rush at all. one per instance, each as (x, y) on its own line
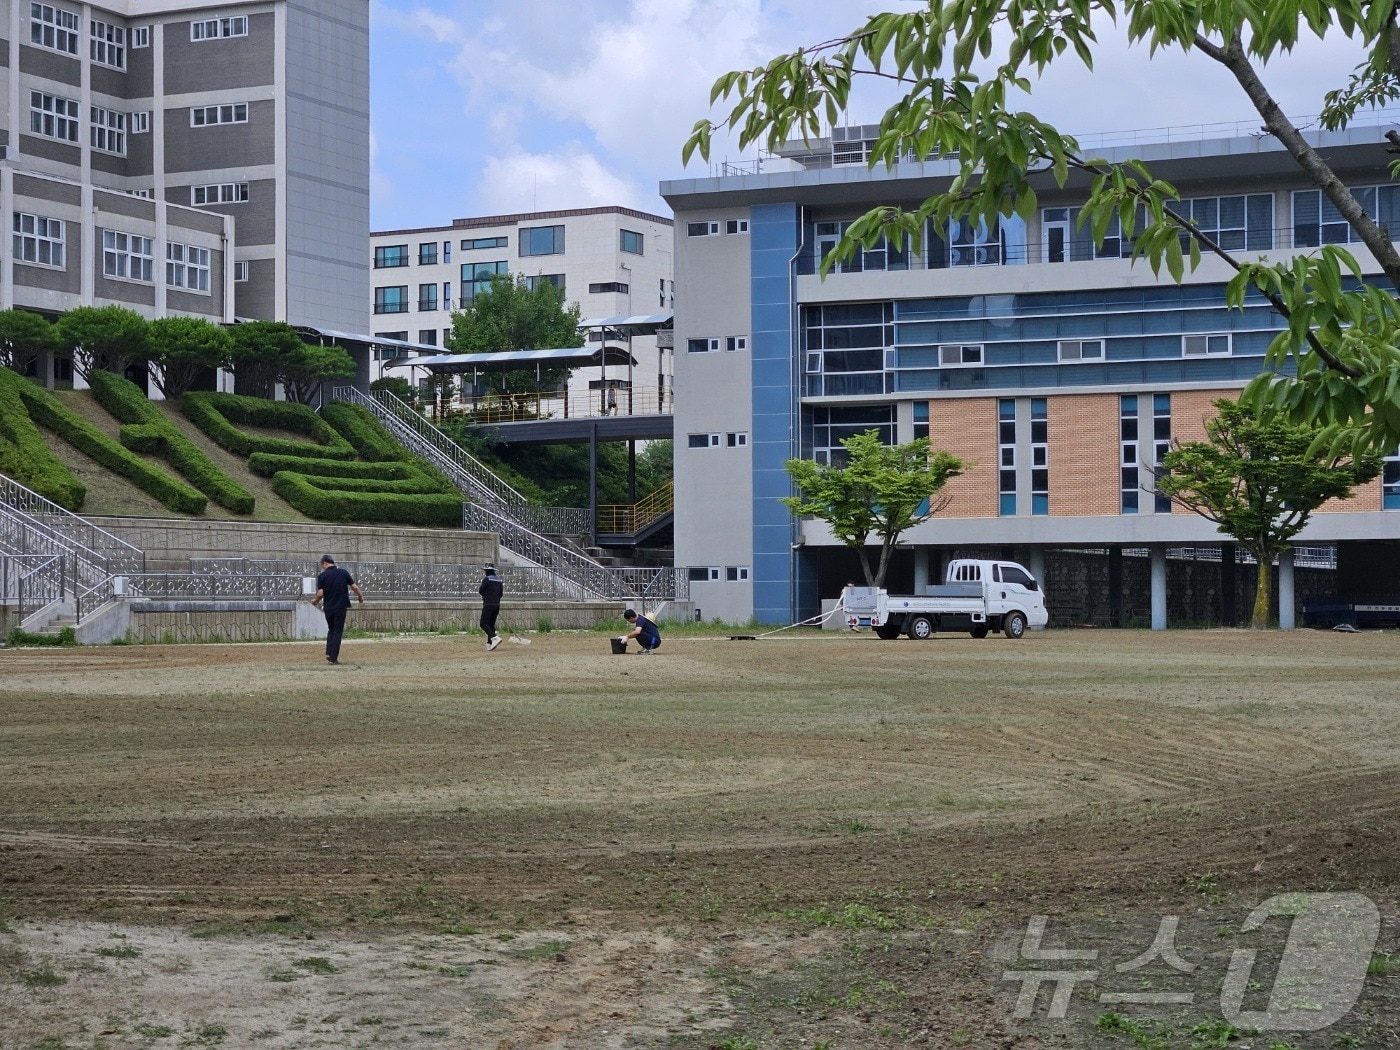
(510, 315)
(959, 61)
(183, 347)
(105, 338)
(882, 491)
(269, 352)
(1259, 478)
(23, 335)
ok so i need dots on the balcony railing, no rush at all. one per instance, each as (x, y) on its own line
(530, 406)
(627, 518)
(391, 308)
(427, 305)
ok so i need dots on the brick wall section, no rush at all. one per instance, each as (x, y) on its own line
(967, 427)
(1083, 451)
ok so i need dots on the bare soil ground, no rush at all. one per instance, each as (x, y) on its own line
(798, 841)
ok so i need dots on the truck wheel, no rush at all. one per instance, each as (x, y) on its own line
(888, 632)
(980, 631)
(1014, 626)
(921, 627)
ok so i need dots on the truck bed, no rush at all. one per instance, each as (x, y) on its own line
(953, 590)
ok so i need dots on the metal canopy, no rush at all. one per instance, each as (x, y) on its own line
(637, 324)
(400, 345)
(514, 360)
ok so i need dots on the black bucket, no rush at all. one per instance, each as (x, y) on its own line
(618, 646)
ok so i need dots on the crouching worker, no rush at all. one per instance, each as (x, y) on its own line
(648, 637)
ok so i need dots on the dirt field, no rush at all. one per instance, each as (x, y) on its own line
(801, 841)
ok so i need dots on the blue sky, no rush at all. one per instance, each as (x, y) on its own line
(487, 108)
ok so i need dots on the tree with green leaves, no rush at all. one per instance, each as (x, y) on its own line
(103, 338)
(881, 491)
(511, 315)
(23, 336)
(182, 348)
(1259, 477)
(961, 62)
(266, 353)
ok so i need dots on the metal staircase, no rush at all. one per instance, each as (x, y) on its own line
(54, 562)
(492, 505)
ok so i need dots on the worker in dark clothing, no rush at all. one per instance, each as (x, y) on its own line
(333, 587)
(646, 633)
(490, 590)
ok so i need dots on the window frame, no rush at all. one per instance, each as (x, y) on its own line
(528, 236)
(139, 122)
(1207, 338)
(56, 240)
(139, 36)
(57, 28)
(623, 237)
(100, 130)
(188, 267)
(225, 27)
(1079, 358)
(128, 257)
(67, 120)
(702, 229)
(106, 37)
(383, 304)
(237, 113)
(237, 194)
(384, 260)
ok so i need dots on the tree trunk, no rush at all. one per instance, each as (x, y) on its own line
(1259, 621)
(870, 579)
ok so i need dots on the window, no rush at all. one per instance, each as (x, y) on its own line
(1006, 456)
(736, 226)
(141, 122)
(387, 256)
(476, 278)
(1081, 349)
(702, 229)
(737, 440)
(447, 295)
(427, 254)
(851, 339)
(830, 425)
(400, 336)
(608, 286)
(1161, 445)
(214, 28)
(427, 296)
(233, 113)
(1390, 482)
(127, 256)
(187, 266)
(736, 573)
(630, 242)
(219, 193)
(1240, 223)
(144, 194)
(1129, 478)
(702, 346)
(556, 279)
(1204, 345)
(140, 36)
(108, 130)
(921, 419)
(703, 441)
(1040, 456)
(485, 242)
(240, 269)
(53, 117)
(882, 255)
(53, 28)
(702, 573)
(428, 336)
(392, 300)
(108, 44)
(736, 342)
(542, 240)
(38, 240)
(960, 354)
(447, 251)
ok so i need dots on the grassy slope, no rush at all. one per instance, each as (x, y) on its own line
(109, 493)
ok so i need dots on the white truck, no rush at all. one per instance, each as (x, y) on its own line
(979, 597)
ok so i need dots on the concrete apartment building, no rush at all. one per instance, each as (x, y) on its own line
(612, 261)
(208, 159)
(1061, 371)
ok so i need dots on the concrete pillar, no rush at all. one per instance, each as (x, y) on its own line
(1159, 587)
(1035, 562)
(1286, 597)
(1115, 586)
(921, 560)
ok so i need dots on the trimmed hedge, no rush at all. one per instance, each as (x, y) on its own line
(413, 484)
(46, 410)
(364, 432)
(426, 510)
(146, 430)
(25, 456)
(268, 464)
(216, 414)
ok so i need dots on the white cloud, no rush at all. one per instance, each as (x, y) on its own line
(573, 178)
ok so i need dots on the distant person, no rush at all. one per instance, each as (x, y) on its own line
(612, 401)
(490, 590)
(646, 633)
(333, 587)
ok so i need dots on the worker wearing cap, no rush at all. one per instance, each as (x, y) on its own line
(333, 587)
(490, 590)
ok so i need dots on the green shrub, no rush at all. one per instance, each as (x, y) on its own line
(416, 482)
(147, 430)
(438, 510)
(268, 464)
(25, 456)
(364, 432)
(217, 414)
(46, 410)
